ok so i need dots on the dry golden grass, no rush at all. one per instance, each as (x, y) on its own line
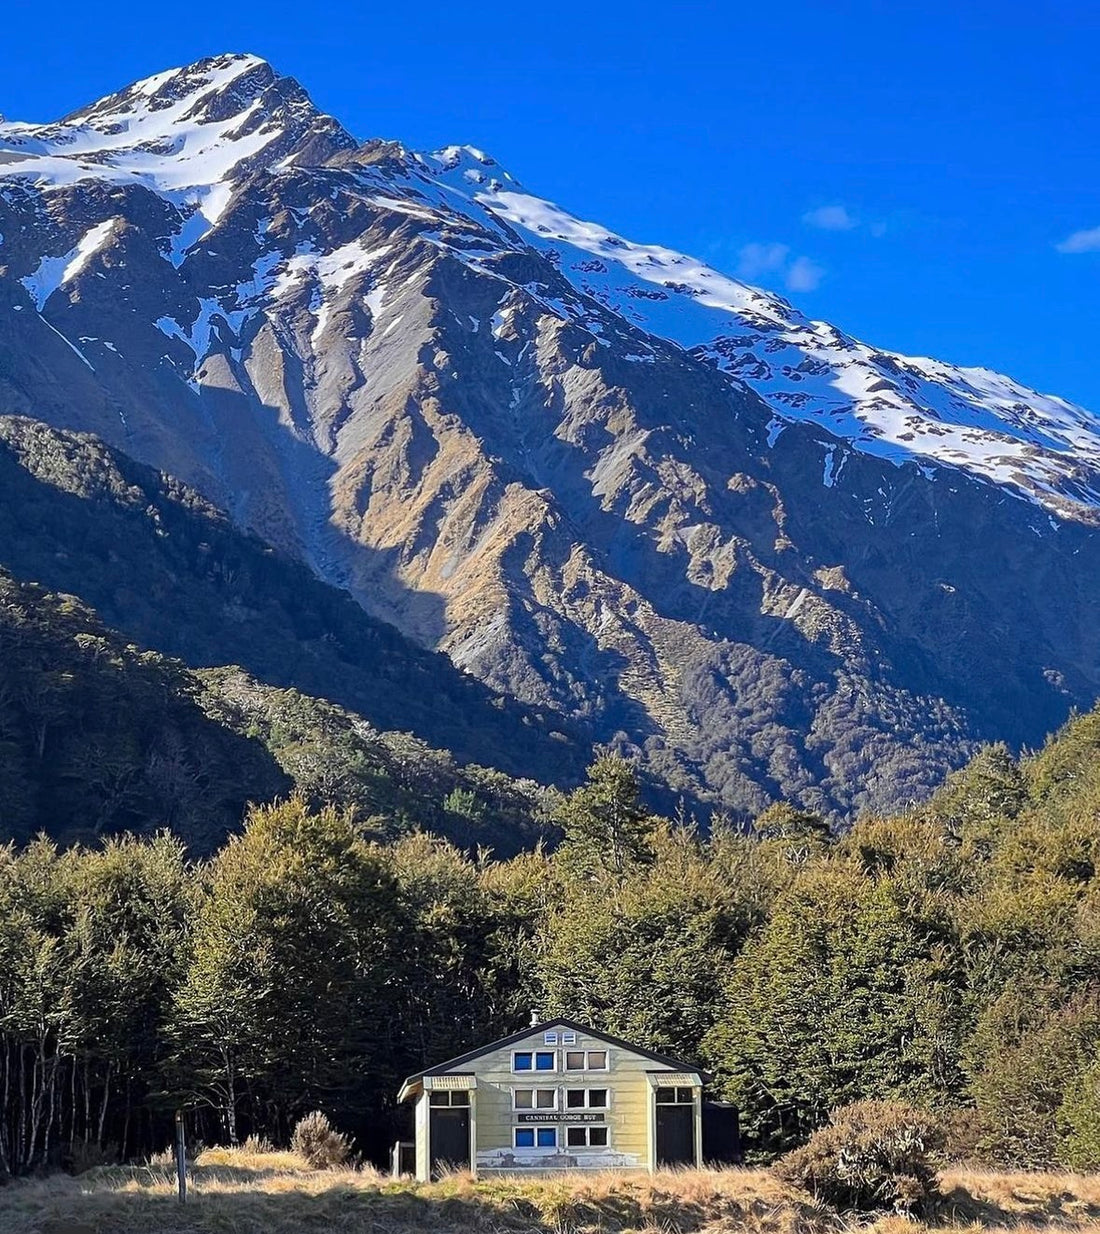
(251, 1191)
(1018, 1197)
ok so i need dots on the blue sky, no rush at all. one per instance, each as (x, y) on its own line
(906, 171)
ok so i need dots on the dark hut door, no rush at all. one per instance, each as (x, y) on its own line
(675, 1127)
(449, 1131)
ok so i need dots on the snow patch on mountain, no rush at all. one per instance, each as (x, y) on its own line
(182, 134)
(54, 272)
(326, 275)
(168, 142)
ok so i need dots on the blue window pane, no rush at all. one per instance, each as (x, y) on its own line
(523, 1062)
(544, 1061)
(548, 1137)
(525, 1137)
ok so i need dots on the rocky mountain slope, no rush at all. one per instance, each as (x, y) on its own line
(602, 477)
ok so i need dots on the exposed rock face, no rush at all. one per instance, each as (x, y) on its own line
(599, 476)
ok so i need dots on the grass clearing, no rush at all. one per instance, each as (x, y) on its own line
(246, 1191)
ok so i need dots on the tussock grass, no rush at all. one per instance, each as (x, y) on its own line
(257, 1191)
(1018, 1197)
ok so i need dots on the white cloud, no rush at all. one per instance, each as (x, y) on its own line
(804, 274)
(1081, 242)
(757, 259)
(830, 218)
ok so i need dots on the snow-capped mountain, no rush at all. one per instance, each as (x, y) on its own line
(191, 135)
(600, 474)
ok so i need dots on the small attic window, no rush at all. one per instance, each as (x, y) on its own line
(550, 1038)
(448, 1097)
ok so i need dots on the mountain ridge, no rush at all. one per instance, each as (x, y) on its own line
(281, 113)
(540, 448)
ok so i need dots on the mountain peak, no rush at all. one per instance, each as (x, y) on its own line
(181, 130)
(233, 78)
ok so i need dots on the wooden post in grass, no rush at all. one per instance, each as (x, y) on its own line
(181, 1157)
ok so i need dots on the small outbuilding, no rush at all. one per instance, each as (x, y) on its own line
(557, 1096)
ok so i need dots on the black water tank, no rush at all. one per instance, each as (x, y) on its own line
(721, 1134)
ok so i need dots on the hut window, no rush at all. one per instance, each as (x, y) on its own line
(533, 1060)
(546, 1137)
(675, 1096)
(523, 1137)
(586, 1098)
(535, 1098)
(454, 1097)
(586, 1137)
(586, 1060)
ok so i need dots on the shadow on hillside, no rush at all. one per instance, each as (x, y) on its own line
(115, 741)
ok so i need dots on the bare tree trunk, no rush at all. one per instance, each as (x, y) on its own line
(231, 1100)
(21, 1130)
(5, 1107)
(51, 1088)
(87, 1103)
(126, 1121)
(103, 1106)
(72, 1105)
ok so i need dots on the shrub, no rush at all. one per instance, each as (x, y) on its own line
(871, 1155)
(319, 1144)
(966, 1138)
(257, 1145)
(1079, 1120)
(83, 1157)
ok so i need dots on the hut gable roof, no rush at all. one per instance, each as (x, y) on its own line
(414, 1082)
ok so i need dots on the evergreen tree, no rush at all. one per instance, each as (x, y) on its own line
(289, 1002)
(638, 953)
(851, 990)
(606, 827)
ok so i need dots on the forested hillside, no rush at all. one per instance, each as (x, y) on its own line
(99, 737)
(949, 957)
